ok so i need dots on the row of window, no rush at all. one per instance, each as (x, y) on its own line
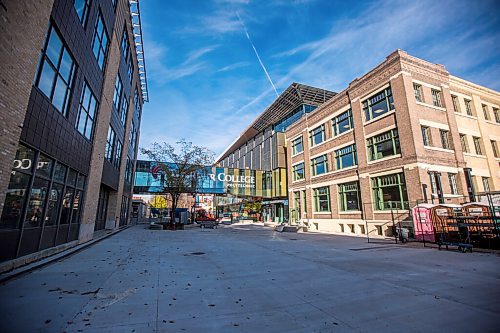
(379, 146)
(57, 71)
(41, 192)
(444, 136)
(373, 107)
(469, 110)
(419, 95)
(388, 192)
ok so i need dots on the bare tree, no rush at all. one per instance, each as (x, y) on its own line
(181, 166)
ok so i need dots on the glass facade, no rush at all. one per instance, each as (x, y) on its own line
(44, 195)
(56, 71)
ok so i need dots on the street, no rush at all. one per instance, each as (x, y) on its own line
(247, 278)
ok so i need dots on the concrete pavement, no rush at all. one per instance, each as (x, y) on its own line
(245, 278)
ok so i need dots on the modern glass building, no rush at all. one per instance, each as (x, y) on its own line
(262, 145)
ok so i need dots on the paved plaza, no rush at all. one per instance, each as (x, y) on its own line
(247, 278)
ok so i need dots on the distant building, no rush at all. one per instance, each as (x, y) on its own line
(71, 94)
(262, 145)
(406, 132)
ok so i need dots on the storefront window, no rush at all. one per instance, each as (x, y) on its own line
(44, 166)
(60, 173)
(66, 206)
(76, 207)
(14, 200)
(55, 197)
(36, 202)
(72, 177)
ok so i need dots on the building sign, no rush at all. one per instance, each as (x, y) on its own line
(233, 180)
(149, 179)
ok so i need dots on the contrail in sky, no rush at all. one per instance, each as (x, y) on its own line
(257, 54)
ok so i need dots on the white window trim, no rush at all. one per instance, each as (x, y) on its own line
(465, 115)
(425, 84)
(347, 132)
(374, 92)
(387, 114)
(380, 131)
(475, 155)
(384, 159)
(438, 108)
(433, 124)
(450, 151)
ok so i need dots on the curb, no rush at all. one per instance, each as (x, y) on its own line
(5, 277)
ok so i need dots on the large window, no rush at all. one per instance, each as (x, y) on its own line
(130, 70)
(317, 135)
(383, 145)
(124, 110)
(319, 165)
(321, 199)
(379, 104)
(468, 107)
(56, 71)
(100, 42)
(117, 95)
(342, 123)
(128, 170)
(125, 46)
(445, 139)
(426, 135)
(298, 171)
(389, 192)
(436, 98)
(133, 136)
(297, 146)
(345, 157)
(86, 112)
(417, 90)
(463, 143)
(110, 144)
(477, 145)
(82, 9)
(37, 186)
(349, 196)
(118, 153)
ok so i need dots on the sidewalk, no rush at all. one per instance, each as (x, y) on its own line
(247, 278)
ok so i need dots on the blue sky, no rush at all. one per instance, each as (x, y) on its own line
(206, 83)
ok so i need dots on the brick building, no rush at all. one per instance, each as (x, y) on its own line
(406, 131)
(71, 94)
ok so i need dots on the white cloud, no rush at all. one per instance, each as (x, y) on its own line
(161, 73)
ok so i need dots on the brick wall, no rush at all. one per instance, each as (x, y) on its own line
(22, 33)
